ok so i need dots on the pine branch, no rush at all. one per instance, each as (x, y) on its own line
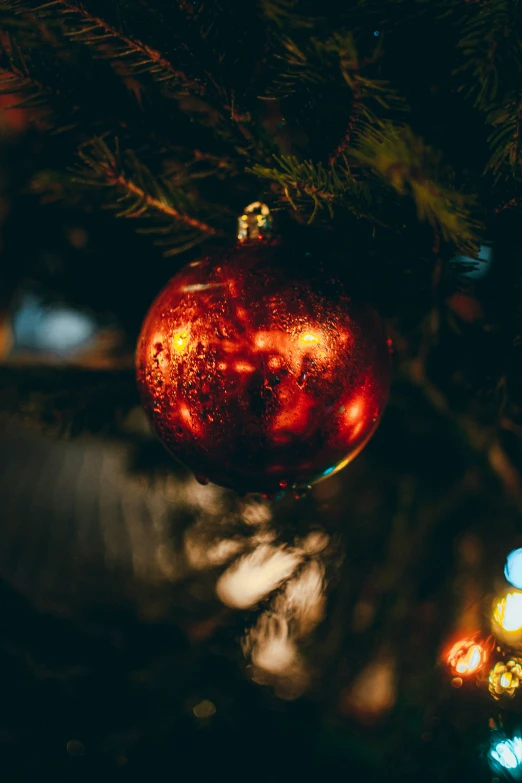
(17, 77)
(132, 60)
(305, 67)
(305, 183)
(505, 139)
(215, 40)
(72, 91)
(409, 166)
(332, 89)
(368, 95)
(81, 26)
(137, 193)
(491, 48)
(284, 13)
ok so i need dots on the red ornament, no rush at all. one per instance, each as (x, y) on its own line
(258, 378)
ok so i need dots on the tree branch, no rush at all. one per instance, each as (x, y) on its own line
(160, 205)
(132, 43)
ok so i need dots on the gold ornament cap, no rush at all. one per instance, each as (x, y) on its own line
(255, 223)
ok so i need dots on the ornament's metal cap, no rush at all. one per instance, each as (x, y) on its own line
(255, 223)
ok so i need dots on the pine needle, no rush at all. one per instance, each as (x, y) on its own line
(136, 193)
(397, 156)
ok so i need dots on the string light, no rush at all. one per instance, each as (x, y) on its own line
(505, 678)
(513, 568)
(506, 621)
(507, 754)
(467, 657)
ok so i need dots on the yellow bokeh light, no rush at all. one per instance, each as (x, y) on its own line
(505, 678)
(205, 709)
(508, 612)
(179, 341)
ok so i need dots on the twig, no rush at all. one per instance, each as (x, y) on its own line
(356, 107)
(161, 206)
(147, 51)
(512, 203)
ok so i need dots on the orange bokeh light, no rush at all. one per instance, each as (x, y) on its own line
(467, 657)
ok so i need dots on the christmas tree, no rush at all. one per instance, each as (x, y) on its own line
(366, 624)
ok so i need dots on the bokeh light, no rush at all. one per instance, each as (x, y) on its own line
(508, 612)
(374, 691)
(505, 678)
(205, 709)
(255, 575)
(467, 657)
(51, 328)
(513, 568)
(507, 754)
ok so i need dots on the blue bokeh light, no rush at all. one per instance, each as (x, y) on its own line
(376, 32)
(51, 328)
(508, 754)
(328, 471)
(482, 266)
(513, 568)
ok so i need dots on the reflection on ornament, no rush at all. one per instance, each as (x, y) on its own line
(466, 657)
(506, 621)
(505, 678)
(513, 568)
(507, 754)
(309, 339)
(179, 341)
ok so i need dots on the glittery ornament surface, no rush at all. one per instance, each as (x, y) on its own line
(258, 377)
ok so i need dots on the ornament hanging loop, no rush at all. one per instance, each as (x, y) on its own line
(255, 224)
